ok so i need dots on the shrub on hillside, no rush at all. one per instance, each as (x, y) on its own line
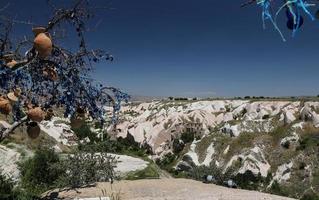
(277, 189)
(46, 170)
(187, 137)
(310, 196)
(199, 172)
(250, 181)
(9, 192)
(85, 132)
(83, 169)
(178, 146)
(166, 160)
(39, 173)
(6, 188)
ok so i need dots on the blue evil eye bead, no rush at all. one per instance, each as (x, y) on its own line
(292, 26)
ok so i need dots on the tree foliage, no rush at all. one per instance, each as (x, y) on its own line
(58, 77)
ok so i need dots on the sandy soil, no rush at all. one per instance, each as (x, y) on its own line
(167, 189)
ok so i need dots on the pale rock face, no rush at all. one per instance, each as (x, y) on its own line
(192, 154)
(226, 150)
(209, 153)
(293, 138)
(253, 160)
(8, 166)
(315, 119)
(128, 164)
(59, 131)
(158, 122)
(233, 131)
(228, 117)
(288, 117)
(283, 173)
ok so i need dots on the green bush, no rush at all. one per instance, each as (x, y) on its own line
(46, 170)
(39, 173)
(250, 181)
(85, 132)
(178, 146)
(82, 169)
(198, 172)
(166, 161)
(310, 196)
(187, 137)
(6, 188)
(277, 189)
(9, 192)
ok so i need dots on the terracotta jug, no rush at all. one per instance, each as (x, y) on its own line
(36, 114)
(33, 130)
(5, 106)
(12, 97)
(42, 42)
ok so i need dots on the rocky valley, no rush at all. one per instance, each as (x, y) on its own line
(265, 145)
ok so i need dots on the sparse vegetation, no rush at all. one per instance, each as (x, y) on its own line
(150, 172)
(166, 161)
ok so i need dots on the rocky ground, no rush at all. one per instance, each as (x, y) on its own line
(167, 189)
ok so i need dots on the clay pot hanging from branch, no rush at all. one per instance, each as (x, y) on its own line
(36, 114)
(5, 106)
(42, 42)
(14, 96)
(33, 130)
(79, 118)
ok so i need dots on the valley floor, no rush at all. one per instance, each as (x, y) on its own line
(167, 189)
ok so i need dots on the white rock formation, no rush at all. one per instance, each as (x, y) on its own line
(8, 164)
(158, 122)
(253, 160)
(128, 164)
(282, 174)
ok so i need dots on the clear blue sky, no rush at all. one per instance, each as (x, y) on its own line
(196, 48)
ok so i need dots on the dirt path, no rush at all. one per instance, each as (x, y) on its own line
(168, 189)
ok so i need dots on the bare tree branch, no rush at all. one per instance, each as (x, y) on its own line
(11, 128)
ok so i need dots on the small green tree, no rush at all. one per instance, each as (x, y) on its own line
(85, 168)
(39, 173)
